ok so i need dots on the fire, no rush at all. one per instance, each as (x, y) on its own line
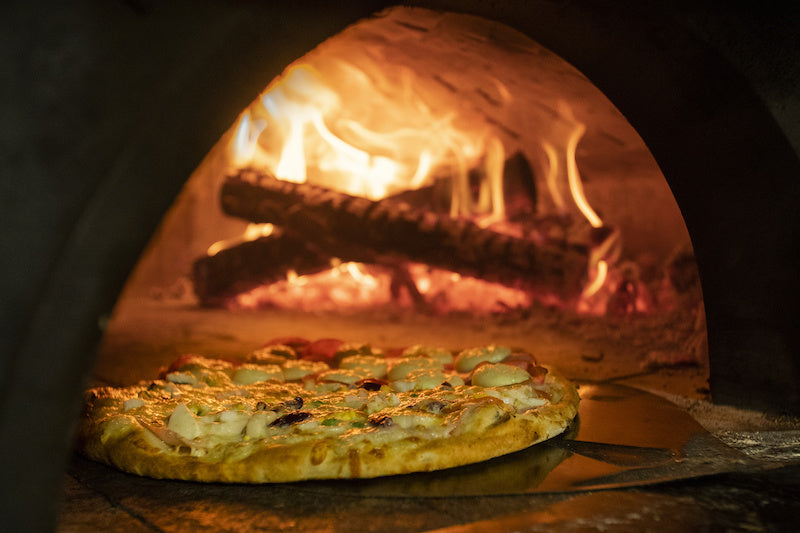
(365, 131)
(353, 286)
(346, 134)
(253, 232)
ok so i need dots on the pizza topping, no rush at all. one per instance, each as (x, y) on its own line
(247, 374)
(420, 350)
(538, 374)
(132, 403)
(350, 349)
(371, 384)
(481, 415)
(227, 424)
(420, 379)
(405, 365)
(336, 379)
(322, 350)
(381, 421)
(296, 369)
(118, 427)
(291, 418)
(275, 354)
(498, 375)
(381, 401)
(369, 364)
(431, 405)
(256, 427)
(294, 403)
(297, 344)
(183, 422)
(468, 359)
(182, 377)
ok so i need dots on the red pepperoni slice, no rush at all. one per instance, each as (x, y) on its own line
(322, 350)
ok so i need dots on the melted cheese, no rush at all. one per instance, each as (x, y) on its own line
(370, 365)
(420, 350)
(401, 368)
(499, 375)
(183, 422)
(468, 359)
(247, 374)
(422, 398)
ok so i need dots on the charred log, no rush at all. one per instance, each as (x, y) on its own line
(249, 264)
(357, 229)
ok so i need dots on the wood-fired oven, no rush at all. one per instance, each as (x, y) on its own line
(688, 150)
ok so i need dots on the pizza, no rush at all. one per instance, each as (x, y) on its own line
(300, 410)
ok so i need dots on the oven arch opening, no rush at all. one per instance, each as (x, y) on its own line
(747, 146)
(507, 89)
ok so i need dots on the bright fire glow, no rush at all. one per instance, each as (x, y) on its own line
(561, 149)
(253, 232)
(354, 286)
(347, 134)
(354, 131)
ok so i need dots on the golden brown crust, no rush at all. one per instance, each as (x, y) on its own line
(133, 447)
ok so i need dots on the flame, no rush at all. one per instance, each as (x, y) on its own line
(563, 143)
(304, 128)
(350, 286)
(251, 233)
(355, 130)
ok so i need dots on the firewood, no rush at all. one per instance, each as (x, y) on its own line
(358, 229)
(249, 264)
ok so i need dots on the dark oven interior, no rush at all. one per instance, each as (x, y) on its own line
(688, 152)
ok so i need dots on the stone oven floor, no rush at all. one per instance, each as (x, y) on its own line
(98, 500)
(644, 351)
(148, 335)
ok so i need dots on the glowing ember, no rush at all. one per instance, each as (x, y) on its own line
(354, 286)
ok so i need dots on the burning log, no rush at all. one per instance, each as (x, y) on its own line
(249, 264)
(320, 223)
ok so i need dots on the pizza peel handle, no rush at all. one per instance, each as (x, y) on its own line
(618, 454)
(623, 437)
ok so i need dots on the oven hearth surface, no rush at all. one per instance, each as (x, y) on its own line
(603, 355)
(544, 487)
(644, 351)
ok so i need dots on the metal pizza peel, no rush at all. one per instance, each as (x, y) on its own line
(622, 437)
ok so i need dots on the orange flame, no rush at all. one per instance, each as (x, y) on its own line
(354, 131)
(304, 129)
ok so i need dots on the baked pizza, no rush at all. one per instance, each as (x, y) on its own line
(298, 410)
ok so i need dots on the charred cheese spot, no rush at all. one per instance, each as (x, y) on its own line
(377, 453)
(354, 461)
(319, 451)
